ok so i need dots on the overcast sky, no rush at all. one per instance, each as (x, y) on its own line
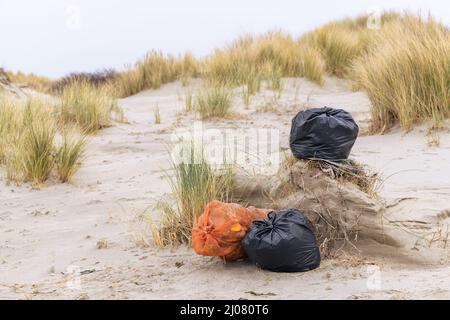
(54, 37)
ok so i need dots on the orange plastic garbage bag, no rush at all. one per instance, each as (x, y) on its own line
(221, 227)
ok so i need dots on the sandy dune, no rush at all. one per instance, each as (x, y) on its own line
(94, 225)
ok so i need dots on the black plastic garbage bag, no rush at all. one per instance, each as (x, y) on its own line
(282, 242)
(323, 133)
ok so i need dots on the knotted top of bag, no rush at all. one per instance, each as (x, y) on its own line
(323, 133)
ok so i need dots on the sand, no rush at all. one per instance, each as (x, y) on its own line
(89, 239)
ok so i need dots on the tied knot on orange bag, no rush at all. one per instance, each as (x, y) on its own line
(221, 227)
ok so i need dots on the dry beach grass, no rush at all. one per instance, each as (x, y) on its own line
(29, 148)
(402, 65)
(194, 183)
(39, 134)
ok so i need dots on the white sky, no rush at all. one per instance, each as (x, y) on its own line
(44, 36)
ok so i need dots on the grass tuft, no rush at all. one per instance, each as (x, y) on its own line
(213, 102)
(70, 153)
(189, 68)
(157, 115)
(38, 144)
(407, 74)
(34, 142)
(194, 184)
(189, 102)
(96, 79)
(151, 72)
(27, 146)
(85, 105)
(38, 83)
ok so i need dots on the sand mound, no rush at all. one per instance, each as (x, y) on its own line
(341, 209)
(4, 79)
(9, 88)
(14, 91)
(5, 82)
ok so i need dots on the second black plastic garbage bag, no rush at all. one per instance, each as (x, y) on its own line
(283, 242)
(323, 133)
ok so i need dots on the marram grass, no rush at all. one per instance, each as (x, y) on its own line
(194, 183)
(87, 106)
(28, 146)
(70, 153)
(407, 74)
(213, 102)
